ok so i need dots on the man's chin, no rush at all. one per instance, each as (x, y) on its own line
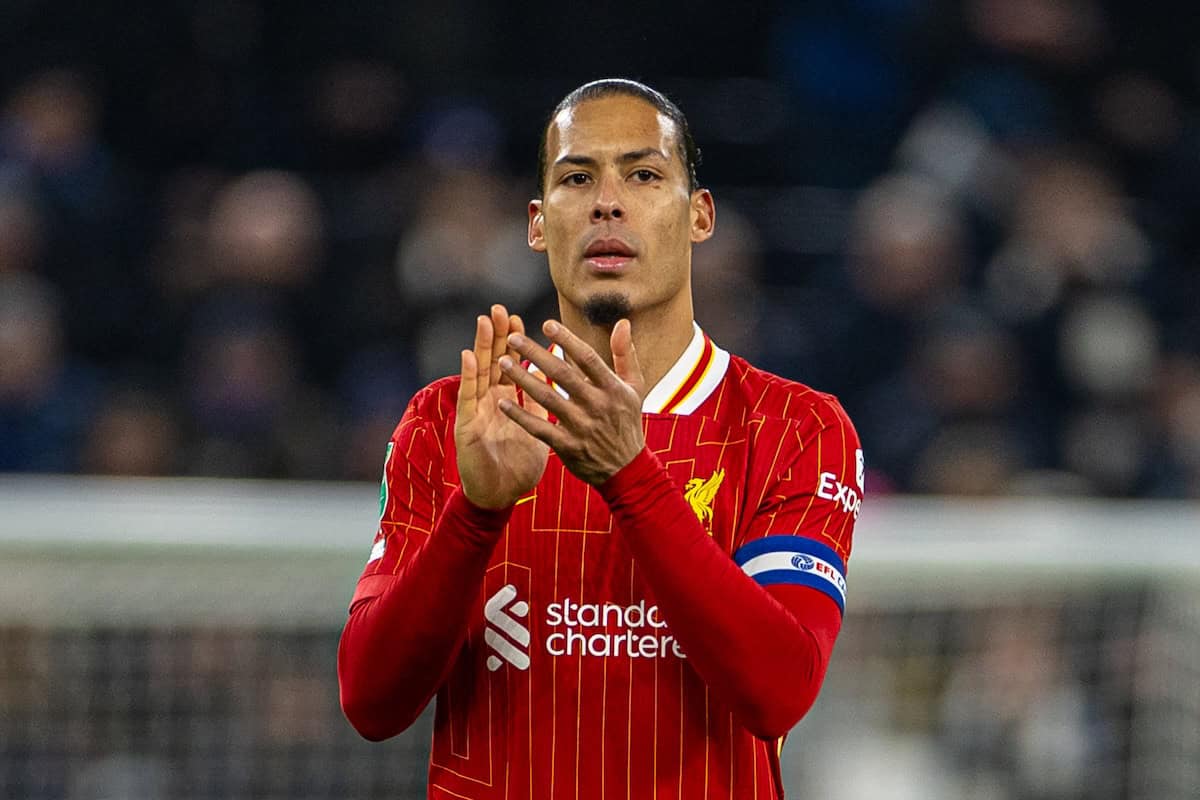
(606, 308)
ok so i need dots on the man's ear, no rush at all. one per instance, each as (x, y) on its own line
(704, 215)
(537, 236)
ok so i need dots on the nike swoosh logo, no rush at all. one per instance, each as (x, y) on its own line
(524, 499)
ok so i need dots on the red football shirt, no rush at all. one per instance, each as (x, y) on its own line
(568, 681)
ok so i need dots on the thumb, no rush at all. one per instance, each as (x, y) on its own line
(625, 360)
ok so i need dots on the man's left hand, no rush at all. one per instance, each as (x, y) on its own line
(599, 425)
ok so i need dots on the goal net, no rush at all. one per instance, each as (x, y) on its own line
(177, 639)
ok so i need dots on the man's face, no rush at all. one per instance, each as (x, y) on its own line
(617, 216)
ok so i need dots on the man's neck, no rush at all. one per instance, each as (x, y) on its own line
(659, 335)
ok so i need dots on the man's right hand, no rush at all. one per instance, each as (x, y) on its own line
(498, 461)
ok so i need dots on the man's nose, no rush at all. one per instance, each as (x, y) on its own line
(608, 204)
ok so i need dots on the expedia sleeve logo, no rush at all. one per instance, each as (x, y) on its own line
(797, 560)
(843, 495)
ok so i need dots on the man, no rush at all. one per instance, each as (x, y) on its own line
(621, 567)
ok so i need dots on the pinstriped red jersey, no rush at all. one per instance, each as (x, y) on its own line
(569, 683)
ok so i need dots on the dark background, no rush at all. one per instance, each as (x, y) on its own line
(236, 236)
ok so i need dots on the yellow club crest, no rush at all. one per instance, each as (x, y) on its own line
(699, 492)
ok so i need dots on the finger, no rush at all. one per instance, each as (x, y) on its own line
(555, 368)
(500, 327)
(625, 359)
(536, 388)
(580, 352)
(467, 400)
(515, 325)
(531, 405)
(535, 426)
(483, 354)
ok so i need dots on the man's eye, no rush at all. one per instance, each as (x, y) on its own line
(576, 179)
(644, 175)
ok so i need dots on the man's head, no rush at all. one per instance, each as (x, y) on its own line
(689, 154)
(619, 207)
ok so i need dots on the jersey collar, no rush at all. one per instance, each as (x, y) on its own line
(691, 380)
(688, 383)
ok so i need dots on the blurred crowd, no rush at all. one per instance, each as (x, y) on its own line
(204, 713)
(1071, 695)
(1023, 700)
(235, 237)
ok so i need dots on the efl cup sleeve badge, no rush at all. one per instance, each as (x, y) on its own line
(383, 484)
(380, 540)
(784, 558)
(860, 472)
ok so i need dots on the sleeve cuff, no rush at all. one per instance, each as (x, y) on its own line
(475, 523)
(644, 467)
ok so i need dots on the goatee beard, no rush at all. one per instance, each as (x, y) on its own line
(605, 310)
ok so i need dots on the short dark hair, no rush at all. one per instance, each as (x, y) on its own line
(608, 87)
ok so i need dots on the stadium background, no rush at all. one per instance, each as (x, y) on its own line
(235, 236)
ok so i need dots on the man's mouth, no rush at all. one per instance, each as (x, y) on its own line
(608, 255)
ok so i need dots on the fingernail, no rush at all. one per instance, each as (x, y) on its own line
(551, 327)
(516, 339)
(505, 362)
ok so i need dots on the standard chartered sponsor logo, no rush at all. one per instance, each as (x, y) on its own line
(633, 631)
(500, 620)
(638, 631)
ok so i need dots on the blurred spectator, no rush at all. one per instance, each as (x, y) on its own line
(907, 248)
(1058, 33)
(50, 133)
(1110, 446)
(1015, 712)
(726, 284)
(1070, 212)
(374, 390)
(22, 234)
(50, 125)
(265, 230)
(254, 414)
(134, 432)
(46, 397)
(1177, 408)
(970, 459)
(465, 249)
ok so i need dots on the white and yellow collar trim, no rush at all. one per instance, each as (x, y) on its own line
(688, 383)
(692, 379)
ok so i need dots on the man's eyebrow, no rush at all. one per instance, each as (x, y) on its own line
(638, 155)
(581, 161)
(624, 158)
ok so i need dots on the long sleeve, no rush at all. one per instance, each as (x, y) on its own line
(762, 650)
(411, 608)
(398, 645)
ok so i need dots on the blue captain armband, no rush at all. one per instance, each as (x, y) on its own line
(796, 560)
